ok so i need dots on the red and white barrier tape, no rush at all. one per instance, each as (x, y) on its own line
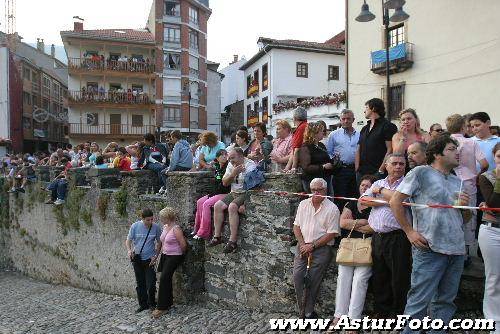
(433, 206)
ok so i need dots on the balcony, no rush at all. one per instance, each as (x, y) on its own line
(110, 129)
(253, 90)
(129, 68)
(110, 98)
(400, 59)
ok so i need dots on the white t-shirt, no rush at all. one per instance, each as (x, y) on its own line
(237, 184)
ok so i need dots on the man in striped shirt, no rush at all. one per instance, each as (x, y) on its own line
(391, 250)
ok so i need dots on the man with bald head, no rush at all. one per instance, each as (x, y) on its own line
(416, 154)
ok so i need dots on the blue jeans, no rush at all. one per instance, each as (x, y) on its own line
(58, 188)
(158, 168)
(435, 279)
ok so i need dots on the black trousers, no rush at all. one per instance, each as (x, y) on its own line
(165, 295)
(344, 185)
(391, 274)
(145, 278)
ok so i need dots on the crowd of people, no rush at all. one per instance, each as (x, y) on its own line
(418, 255)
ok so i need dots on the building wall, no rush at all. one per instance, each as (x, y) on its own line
(455, 66)
(214, 102)
(4, 94)
(233, 86)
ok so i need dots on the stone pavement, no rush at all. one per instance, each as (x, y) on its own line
(31, 306)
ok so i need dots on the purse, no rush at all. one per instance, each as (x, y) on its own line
(355, 251)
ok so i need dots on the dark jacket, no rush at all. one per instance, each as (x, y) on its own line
(147, 150)
(219, 174)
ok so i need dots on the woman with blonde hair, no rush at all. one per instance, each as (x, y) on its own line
(409, 132)
(171, 249)
(210, 146)
(282, 145)
(314, 159)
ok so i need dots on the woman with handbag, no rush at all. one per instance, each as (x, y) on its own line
(171, 247)
(354, 269)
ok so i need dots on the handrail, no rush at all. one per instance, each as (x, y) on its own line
(90, 64)
(96, 96)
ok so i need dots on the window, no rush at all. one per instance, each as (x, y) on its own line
(194, 66)
(114, 56)
(249, 82)
(333, 72)
(172, 34)
(35, 77)
(92, 119)
(172, 61)
(26, 73)
(172, 8)
(302, 70)
(193, 39)
(27, 98)
(397, 100)
(137, 120)
(46, 85)
(35, 100)
(56, 90)
(249, 109)
(113, 86)
(172, 114)
(55, 108)
(193, 15)
(265, 111)
(265, 79)
(45, 104)
(138, 57)
(256, 106)
(137, 88)
(256, 78)
(26, 123)
(397, 35)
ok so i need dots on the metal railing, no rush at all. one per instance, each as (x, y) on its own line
(110, 129)
(91, 96)
(89, 64)
(399, 64)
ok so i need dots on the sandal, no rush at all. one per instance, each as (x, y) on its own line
(215, 241)
(230, 247)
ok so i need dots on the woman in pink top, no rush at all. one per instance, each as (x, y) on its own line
(409, 132)
(173, 246)
(282, 145)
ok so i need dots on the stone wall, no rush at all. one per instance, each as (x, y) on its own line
(81, 243)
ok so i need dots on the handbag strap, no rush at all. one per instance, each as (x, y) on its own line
(352, 229)
(147, 235)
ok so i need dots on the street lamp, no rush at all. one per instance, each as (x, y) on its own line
(398, 16)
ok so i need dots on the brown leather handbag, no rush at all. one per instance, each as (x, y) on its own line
(355, 251)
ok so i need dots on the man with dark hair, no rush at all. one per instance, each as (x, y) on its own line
(436, 234)
(416, 154)
(435, 130)
(375, 140)
(480, 123)
(154, 156)
(495, 130)
(140, 244)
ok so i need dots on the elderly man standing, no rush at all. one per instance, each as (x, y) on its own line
(300, 121)
(416, 154)
(391, 250)
(315, 227)
(343, 143)
(436, 235)
(236, 170)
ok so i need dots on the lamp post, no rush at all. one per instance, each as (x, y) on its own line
(398, 16)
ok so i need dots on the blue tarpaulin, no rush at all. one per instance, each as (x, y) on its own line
(396, 52)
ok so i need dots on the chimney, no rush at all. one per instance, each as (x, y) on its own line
(53, 51)
(78, 26)
(40, 45)
(235, 59)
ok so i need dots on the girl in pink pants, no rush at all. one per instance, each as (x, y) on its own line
(203, 220)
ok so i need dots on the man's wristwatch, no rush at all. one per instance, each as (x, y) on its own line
(314, 245)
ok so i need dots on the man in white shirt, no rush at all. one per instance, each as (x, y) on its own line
(316, 225)
(236, 170)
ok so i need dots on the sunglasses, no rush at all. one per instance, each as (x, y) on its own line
(438, 130)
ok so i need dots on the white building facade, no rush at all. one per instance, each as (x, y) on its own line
(214, 80)
(290, 71)
(447, 63)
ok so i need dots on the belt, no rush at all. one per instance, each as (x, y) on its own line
(496, 225)
(344, 165)
(390, 232)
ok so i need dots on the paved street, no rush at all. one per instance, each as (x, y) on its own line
(30, 306)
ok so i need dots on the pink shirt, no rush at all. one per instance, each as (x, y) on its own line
(469, 152)
(282, 147)
(169, 243)
(315, 224)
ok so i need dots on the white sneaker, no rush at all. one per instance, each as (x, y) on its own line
(59, 201)
(196, 237)
(161, 191)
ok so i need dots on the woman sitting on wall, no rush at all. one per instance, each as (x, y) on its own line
(171, 249)
(210, 146)
(203, 220)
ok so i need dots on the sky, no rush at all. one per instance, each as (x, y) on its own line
(233, 28)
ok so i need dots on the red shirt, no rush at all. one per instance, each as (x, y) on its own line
(124, 165)
(298, 135)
